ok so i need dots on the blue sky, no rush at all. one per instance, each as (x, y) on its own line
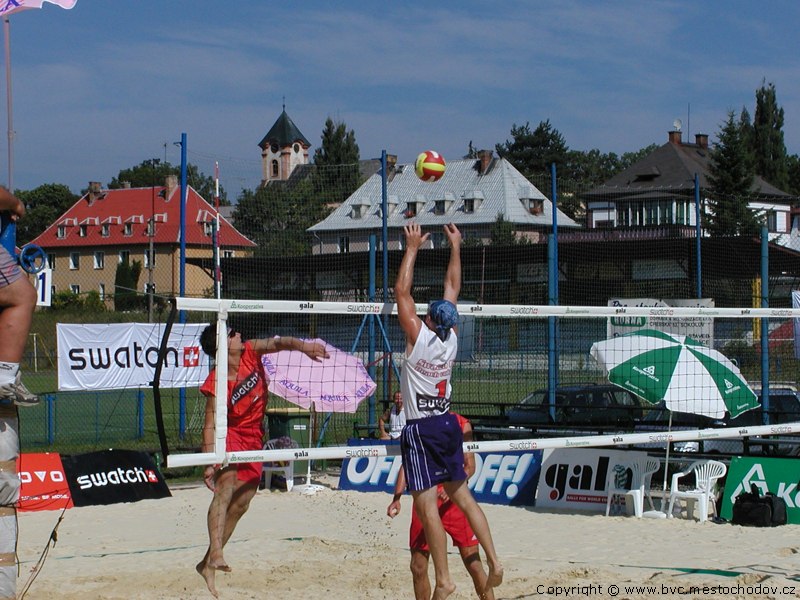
(107, 84)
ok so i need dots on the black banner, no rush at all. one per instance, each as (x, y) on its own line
(113, 476)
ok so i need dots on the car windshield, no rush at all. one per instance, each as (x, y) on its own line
(534, 400)
(660, 415)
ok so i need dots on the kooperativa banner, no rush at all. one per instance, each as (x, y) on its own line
(116, 356)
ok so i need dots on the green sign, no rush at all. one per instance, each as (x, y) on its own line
(780, 476)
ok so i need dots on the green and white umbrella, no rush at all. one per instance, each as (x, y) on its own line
(688, 376)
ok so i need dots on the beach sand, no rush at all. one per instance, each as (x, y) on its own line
(340, 544)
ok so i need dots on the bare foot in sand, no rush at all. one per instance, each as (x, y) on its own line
(443, 591)
(208, 573)
(218, 564)
(494, 578)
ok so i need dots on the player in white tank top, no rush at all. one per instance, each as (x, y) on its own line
(425, 378)
(431, 444)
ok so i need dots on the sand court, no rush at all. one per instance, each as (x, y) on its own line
(340, 544)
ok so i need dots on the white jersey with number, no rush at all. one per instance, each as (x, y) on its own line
(425, 379)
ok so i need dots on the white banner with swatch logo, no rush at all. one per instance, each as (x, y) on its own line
(116, 356)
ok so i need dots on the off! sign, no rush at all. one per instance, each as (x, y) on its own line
(500, 478)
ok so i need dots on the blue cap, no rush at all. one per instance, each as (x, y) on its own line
(445, 315)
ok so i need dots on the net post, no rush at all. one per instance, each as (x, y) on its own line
(221, 387)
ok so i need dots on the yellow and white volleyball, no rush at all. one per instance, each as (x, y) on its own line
(429, 166)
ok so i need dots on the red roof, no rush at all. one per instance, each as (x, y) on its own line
(123, 215)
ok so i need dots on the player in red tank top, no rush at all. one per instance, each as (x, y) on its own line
(235, 485)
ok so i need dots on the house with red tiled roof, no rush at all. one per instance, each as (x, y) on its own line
(108, 226)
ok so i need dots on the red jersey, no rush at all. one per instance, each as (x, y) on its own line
(247, 396)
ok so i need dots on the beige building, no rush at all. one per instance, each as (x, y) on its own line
(107, 227)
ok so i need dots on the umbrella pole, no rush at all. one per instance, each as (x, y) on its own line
(666, 467)
(311, 413)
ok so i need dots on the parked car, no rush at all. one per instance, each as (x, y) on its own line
(599, 405)
(784, 407)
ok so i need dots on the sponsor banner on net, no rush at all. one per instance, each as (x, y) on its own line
(576, 478)
(43, 485)
(500, 477)
(776, 475)
(662, 318)
(124, 355)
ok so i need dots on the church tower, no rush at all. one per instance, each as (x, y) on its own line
(282, 149)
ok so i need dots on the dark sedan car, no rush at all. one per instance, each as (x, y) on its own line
(587, 404)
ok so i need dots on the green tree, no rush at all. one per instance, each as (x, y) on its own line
(767, 145)
(502, 232)
(730, 178)
(532, 152)
(276, 216)
(793, 174)
(43, 206)
(337, 175)
(153, 172)
(126, 281)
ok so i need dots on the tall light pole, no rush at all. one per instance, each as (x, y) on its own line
(151, 232)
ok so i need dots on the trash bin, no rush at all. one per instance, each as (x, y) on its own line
(294, 423)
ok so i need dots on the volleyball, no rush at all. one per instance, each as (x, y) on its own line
(429, 166)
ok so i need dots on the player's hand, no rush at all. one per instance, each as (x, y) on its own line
(393, 509)
(414, 236)
(209, 476)
(317, 352)
(453, 235)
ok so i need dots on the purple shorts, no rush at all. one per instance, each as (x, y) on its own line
(9, 269)
(433, 452)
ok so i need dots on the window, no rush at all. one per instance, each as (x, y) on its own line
(51, 261)
(74, 260)
(411, 210)
(62, 232)
(105, 230)
(75, 288)
(438, 240)
(151, 227)
(128, 229)
(83, 230)
(296, 148)
(535, 206)
(359, 211)
(147, 264)
(102, 291)
(124, 256)
(469, 205)
(208, 227)
(772, 221)
(344, 244)
(275, 168)
(228, 254)
(439, 207)
(99, 260)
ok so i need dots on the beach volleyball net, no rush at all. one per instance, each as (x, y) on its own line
(509, 355)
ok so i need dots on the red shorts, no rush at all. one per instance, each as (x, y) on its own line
(455, 524)
(247, 439)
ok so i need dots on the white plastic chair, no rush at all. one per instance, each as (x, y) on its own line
(285, 468)
(642, 470)
(706, 474)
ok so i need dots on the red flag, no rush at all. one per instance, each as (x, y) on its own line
(8, 7)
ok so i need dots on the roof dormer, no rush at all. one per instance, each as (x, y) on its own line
(442, 205)
(472, 201)
(358, 210)
(392, 204)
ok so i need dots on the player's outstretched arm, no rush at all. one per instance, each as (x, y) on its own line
(452, 279)
(406, 307)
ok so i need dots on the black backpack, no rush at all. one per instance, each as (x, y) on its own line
(753, 509)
